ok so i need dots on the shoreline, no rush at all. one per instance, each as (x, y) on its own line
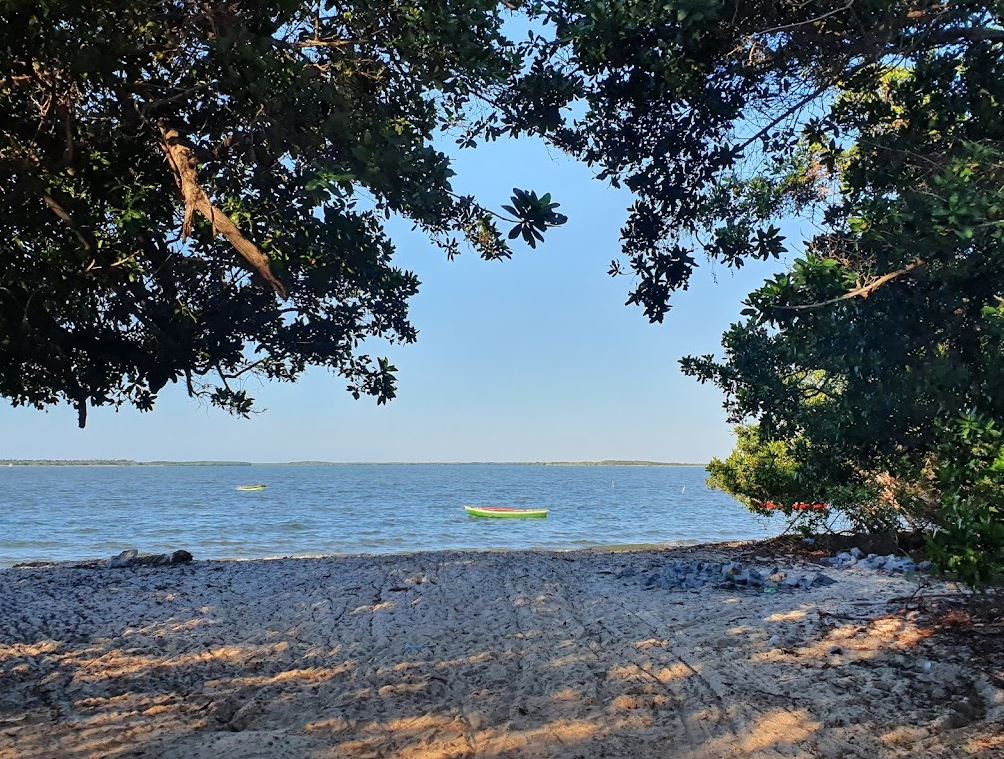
(93, 562)
(500, 654)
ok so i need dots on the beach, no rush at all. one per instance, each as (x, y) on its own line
(485, 654)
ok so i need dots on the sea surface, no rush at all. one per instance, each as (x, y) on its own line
(80, 512)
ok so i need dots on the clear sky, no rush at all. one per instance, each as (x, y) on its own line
(536, 358)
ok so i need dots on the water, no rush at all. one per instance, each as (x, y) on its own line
(58, 513)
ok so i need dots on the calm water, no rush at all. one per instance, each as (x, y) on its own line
(83, 512)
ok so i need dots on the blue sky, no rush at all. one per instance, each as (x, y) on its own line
(536, 358)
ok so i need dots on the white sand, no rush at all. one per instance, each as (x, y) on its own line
(521, 654)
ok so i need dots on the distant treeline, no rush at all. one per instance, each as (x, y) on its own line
(115, 462)
(606, 462)
(130, 462)
(613, 462)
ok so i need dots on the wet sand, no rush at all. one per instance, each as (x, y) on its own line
(517, 654)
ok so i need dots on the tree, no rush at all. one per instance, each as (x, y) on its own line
(877, 358)
(698, 107)
(194, 192)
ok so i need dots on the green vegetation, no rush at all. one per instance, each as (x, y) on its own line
(195, 193)
(872, 368)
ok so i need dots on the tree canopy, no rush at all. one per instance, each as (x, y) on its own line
(872, 368)
(195, 192)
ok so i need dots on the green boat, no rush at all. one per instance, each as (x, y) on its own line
(501, 512)
(251, 488)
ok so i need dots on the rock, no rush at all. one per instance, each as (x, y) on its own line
(844, 556)
(777, 577)
(856, 552)
(924, 566)
(890, 563)
(821, 581)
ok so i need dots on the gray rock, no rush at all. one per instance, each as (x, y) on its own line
(856, 552)
(821, 581)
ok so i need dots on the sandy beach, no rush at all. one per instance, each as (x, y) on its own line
(517, 654)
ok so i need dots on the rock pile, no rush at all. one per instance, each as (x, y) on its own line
(891, 563)
(693, 575)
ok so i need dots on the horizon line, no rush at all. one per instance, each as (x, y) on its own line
(322, 462)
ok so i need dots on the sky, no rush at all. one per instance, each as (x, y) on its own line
(532, 359)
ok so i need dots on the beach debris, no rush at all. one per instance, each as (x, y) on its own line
(133, 558)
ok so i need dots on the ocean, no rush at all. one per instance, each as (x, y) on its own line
(82, 512)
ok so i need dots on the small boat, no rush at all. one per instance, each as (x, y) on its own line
(251, 488)
(502, 512)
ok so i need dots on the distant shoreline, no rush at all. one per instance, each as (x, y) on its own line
(131, 463)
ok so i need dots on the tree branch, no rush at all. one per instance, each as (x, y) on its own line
(963, 34)
(807, 21)
(860, 292)
(182, 162)
(64, 216)
(788, 112)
